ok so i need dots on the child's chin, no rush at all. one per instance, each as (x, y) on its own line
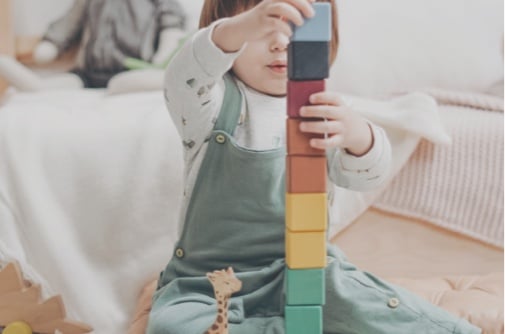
(278, 90)
(278, 94)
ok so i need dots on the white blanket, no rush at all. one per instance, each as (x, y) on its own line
(90, 184)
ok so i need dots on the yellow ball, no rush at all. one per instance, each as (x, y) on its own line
(17, 327)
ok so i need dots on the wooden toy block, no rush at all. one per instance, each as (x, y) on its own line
(316, 28)
(303, 319)
(308, 60)
(298, 142)
(305, 287)
(306, 174)
(299, 93)
(306, 212)
(21, 303)
(305, 250)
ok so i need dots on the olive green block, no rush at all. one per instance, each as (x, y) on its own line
(305, 287)
(303, 319)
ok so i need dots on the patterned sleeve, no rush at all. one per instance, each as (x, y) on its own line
(194, 88)
(365, 172)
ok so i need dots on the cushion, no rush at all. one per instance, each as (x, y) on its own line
(479, 299)
(141, 314)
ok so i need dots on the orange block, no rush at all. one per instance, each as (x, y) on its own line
(298, 142)
(305, 174)
(305, 250)
(306, 212)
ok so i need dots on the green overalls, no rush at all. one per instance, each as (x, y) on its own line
(236, 218)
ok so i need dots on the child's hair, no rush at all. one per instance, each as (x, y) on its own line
(216, 9)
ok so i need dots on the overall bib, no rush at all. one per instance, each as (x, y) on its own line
(236, 218)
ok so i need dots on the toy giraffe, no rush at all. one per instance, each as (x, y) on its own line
(225, 284)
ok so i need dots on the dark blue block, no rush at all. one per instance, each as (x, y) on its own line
(308, 60)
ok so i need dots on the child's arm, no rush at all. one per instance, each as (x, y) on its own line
(194, 86)
(359, 153)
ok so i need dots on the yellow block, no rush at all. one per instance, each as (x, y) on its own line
(305, 249)
(306, 212)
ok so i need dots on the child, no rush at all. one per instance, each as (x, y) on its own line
(226, 94)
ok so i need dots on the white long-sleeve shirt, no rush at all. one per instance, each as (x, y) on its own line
(194, 91)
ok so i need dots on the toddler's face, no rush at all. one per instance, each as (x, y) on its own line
(263, 64)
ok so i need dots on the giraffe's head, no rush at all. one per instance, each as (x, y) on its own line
(224, 281)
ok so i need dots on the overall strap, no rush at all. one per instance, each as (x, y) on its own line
(232, 104)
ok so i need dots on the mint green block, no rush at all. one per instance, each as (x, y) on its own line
(305, 287)
(303, 319)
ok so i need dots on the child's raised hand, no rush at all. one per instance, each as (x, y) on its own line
(266, 17)
(343, 126)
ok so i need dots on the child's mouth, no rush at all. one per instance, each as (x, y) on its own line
(278, 67)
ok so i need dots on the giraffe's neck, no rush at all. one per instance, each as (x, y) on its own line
(220, 325)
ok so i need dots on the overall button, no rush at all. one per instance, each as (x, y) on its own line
(393, 302)
(179, 252)
(220, 138)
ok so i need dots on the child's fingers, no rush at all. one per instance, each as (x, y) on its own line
(322, 127)
(285, 11)
(281, 26)
(323, 111)
(304, 6)
(333, 141)
(326, 98)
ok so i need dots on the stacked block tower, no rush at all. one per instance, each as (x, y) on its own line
(306, 203)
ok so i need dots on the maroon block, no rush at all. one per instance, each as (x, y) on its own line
(299, 93)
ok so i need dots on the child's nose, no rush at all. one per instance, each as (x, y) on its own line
(279, 42)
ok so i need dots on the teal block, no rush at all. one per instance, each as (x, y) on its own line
(303, 319)
(317, 28)
(305, 287)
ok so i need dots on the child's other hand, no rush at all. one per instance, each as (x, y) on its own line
(343, 126)
(266, 17)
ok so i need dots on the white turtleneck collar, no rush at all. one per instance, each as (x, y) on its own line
(262, 124)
